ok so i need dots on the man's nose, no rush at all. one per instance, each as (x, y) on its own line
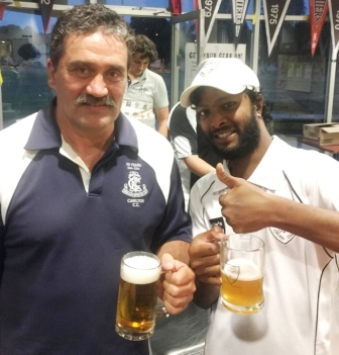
(97, 86)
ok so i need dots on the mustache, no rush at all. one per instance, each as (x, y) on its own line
(85, 99)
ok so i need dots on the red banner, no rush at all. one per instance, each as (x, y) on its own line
(211, 8)
(318, 13)
(46, 7)
(275, 12)
(239, 9)
(334, 17)
(2, 10)
(176, 6)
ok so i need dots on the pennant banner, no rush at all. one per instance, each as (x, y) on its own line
(2, 10)
(334, 17)
(318, 13)
(239, 9)
(46, 7)
(176, 7)
(275, 12)
(211, 8)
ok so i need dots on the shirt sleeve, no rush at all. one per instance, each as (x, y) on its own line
(182, 133)
(176, 223)
(160, 94)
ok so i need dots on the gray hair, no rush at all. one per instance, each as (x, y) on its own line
(87, 19)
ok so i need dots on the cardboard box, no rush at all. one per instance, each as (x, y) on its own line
(322, 133)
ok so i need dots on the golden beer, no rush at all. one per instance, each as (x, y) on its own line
(137, 298)
(242, 286)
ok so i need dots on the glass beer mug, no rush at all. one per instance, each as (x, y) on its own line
(137, 300)
(242, 263)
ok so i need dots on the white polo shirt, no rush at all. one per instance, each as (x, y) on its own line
(144, 95)
(301, 282)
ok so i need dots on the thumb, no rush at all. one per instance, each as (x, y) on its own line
(226, 178)
(167, 262)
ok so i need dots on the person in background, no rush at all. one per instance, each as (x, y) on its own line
(288, 197)
(145, 96)
(80, 186)
(194, 156)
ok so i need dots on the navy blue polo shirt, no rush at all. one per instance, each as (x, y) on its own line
(64, 230)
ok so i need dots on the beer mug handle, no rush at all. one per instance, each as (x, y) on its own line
(161, 310)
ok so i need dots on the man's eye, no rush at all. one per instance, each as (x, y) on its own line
(115, 75)
(201, 115)
(81, 71)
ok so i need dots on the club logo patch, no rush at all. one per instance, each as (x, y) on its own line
(133, 187)
(218, 222)
(281, 235)
(209, 67)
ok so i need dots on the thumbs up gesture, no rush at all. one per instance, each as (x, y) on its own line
(245, 206)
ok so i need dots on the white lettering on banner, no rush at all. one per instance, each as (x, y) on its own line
(46, 2)
(274, 11)
(336, 26)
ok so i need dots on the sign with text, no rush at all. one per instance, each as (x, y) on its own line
(275, 12)
(211, 8)
(46, 7)
(334, 18)
(318, 13)
(212, 50)
(239, 9)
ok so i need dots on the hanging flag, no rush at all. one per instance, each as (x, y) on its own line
(318, 13)
(211, 8)
(2, 10)
(17, 3)
(334, 18)
(239, 9)
(176, 6)
(275, 12)
(46, 11)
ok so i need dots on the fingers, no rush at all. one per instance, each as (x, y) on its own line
(226, 178)
(178, 287)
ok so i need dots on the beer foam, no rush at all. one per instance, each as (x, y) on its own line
(248, 270)
(140, 269)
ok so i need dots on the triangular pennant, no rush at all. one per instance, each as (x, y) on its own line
(17, 3)
(2, 8)
(334, 17)
(318, 13)
(275, 11)
(176, 6)
(211, 8)
(239, 9)
(46, 7)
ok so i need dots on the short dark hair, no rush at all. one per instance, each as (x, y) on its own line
(146, 47)
(87, 19)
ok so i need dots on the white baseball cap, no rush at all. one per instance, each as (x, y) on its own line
(230, 75)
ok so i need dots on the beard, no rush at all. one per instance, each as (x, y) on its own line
(248, 141)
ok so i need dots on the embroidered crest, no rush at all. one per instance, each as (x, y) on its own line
(133, 187)
(209, 67)
(281, 235)
(218, 222)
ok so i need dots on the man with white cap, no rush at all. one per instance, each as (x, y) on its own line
(288, 197)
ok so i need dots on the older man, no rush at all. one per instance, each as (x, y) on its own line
(79, 187)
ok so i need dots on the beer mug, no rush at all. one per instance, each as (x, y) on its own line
(137, 300)
(242, 263)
